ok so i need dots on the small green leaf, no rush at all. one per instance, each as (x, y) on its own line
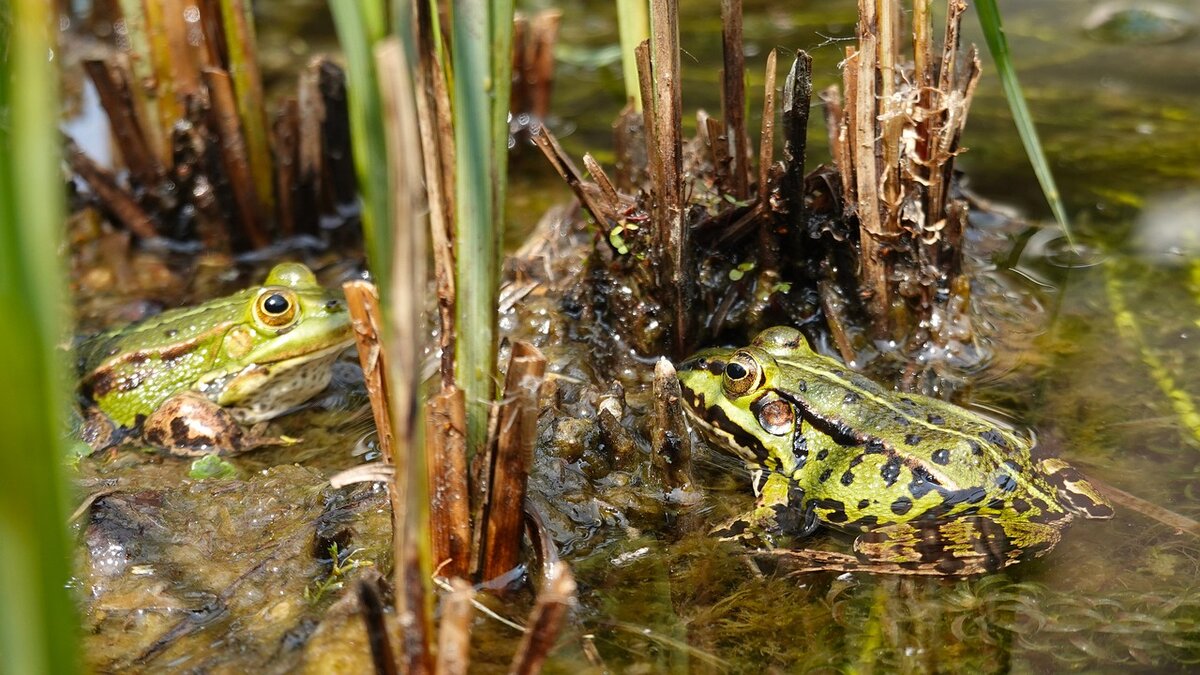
(212, 466)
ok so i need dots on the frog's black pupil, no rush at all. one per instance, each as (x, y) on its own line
(276, 304)
(735, 371)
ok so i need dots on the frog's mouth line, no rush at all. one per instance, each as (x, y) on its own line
(736, 442)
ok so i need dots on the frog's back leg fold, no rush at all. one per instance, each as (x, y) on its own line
(963, 546)
(1074, 492)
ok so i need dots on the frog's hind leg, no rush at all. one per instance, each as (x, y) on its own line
(958, 547)
(1074, 492)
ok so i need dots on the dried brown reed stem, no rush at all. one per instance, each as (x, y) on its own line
(382, 656)
(588, 195)
(242, 50)
(607, 190)
(454, 633)
(437, 153)
(672, 452)
(406, 298)
(666, 169)
(450, 512)
(111, 79)
(233, 152)
(733, 99)
(502, 515)
(545, 621)
(114, 199)
(873, 240)
(797, 97)
(285, 137)
(766, 145)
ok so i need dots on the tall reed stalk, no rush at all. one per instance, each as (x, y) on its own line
(37, 620)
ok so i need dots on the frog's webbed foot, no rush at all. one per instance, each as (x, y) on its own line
(777, 512)
(958, 547)
(1074, 492)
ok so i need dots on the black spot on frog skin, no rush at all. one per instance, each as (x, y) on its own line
(940, 457)
(1012, 466)
(800, 449)
(1006, 482)
(907, 401)
(912, 439)
(934, 418)
(855, 461)
(996, 504)
(949, 565)
(848, 478)
(992, 436)
(890, 472)
(976, 449)
(825, 475)
(822, 455)
(875, 447)
(170, 333)
(971, 495)
(851, 398)
(1020, 505)
(801, 385)
(902, 506)
(838, 373)
(921, 484)
(900, 420)
(863, 503)
(837, 517)
(713, 367)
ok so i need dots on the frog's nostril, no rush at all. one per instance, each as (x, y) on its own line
(333, 305)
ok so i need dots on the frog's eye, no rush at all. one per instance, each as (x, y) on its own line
(276, 308)
(742, 374)
(775, 415)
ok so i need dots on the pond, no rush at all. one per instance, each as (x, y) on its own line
(1099, 365)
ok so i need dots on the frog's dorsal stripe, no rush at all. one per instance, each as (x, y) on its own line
(822, 371)
(103, 380)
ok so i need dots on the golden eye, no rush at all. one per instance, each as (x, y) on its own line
(742, 374)
(276, 308)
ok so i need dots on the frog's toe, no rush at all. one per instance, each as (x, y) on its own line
(959, 547)
(1075, 493)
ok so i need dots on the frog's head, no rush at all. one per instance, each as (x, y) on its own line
(739, 400)
(290, 331)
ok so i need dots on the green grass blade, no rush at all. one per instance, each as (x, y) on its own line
(360, 25)
(633, 24)
(479, 178)
(38, 627)
(993, 32)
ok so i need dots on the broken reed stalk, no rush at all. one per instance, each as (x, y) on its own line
(873, 239)
(766, 146)
(454, 633)
(446, 449)
(669, 440)
(111, 80)
(545, 621)
(375, 619)
(233, 152)
(406, 301)
(665, 143)
(242, 52)
(733, 98)
(115, 200)
(797, 97)
(502, 516)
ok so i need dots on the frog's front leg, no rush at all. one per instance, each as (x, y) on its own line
(777, 511)
(191, 425)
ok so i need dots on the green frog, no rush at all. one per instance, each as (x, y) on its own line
(926, 486)
(200, 380)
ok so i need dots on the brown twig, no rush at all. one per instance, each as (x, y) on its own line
(111, 196)
(766, 144)
(454, 633)
(516, 432)
(450, 513)
(797, 97)
(224, 119)
(733, 98)
(872, 239)
(545, 621)
(666, 169)
(112, 84)
(549, 146)
(672, 452)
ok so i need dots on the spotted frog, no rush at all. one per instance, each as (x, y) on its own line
(198, 380)
(927, 487)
